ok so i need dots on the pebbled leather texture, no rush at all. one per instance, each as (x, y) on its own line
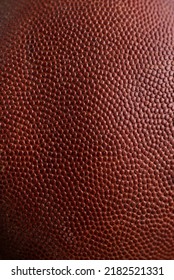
(87, 167)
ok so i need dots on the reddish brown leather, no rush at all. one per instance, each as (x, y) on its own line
(87, 129)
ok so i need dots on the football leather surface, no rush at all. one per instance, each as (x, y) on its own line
(87, 142)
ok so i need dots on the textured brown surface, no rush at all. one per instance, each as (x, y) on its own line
(87, 166)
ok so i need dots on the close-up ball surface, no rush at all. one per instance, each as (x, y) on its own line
(87, 142)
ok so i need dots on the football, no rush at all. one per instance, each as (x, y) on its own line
(87, 130)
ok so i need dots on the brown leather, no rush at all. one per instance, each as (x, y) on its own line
(87, 129)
